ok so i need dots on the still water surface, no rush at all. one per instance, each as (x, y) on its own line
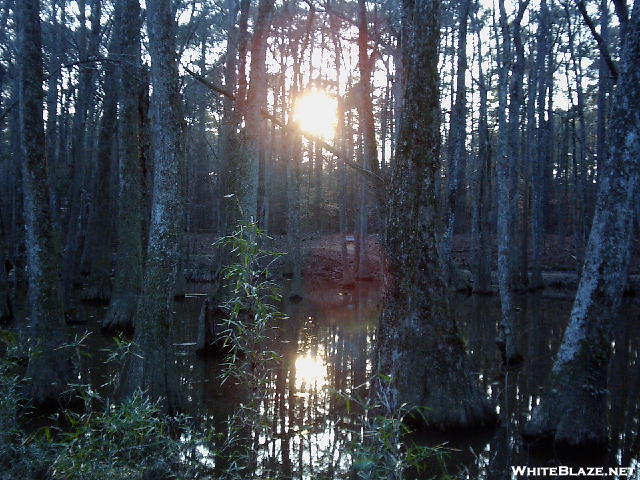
(326, 348)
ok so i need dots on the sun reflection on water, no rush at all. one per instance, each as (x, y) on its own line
(311, 372)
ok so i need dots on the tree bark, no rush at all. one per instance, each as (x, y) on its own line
(418, 344)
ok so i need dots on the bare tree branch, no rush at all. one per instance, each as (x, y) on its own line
(602, 46)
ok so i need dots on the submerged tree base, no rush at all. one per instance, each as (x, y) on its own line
(574, 423)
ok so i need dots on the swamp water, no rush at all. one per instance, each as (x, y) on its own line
(326, 348)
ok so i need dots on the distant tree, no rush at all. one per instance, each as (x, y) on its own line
(97, 252)
(129, 225)
(418, 343)
(507, 337)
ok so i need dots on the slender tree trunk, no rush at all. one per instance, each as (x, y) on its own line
(604, 90)
(49, 368)
(418, 344)
(369, 146)
(293, 152)
(80, 149)
(6, 310)
(480, 216)
(519, 275)
(55, 61)
(347, 271)
(538, 177)
(573, 410)
(228, 129)
(507, 339)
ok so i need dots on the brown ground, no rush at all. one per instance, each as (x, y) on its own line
(322, 255)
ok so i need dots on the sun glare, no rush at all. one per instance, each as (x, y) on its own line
(315, 112)
(310, 372)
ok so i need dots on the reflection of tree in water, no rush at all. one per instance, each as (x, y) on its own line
(305, 427)
(323, 351)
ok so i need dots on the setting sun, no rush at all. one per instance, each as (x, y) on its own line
(315, 112)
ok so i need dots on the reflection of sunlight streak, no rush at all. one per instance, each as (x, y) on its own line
(315, 112)
(310, 372)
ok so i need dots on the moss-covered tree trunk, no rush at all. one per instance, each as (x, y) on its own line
(573, 410)
(419, 345)
(153, 365)
(49, 367)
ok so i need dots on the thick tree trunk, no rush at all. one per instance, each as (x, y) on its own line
(129, 256)
(152, 367)
(573, 410)
(418, 344)
(49, 368)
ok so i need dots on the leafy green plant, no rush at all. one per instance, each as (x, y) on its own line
(21, 455)
(250, 308)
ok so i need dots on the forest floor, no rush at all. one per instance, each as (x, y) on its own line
(322, 253)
